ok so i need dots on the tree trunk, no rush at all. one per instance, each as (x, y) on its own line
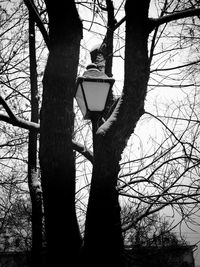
(103, 237)
(57, 118)
(33, 182)
(103, 242)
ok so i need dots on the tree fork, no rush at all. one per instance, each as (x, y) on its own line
(103, 226)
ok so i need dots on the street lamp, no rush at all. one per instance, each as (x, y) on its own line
(92, 90)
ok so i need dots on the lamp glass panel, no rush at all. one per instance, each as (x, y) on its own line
(80, 100)
(96, 94)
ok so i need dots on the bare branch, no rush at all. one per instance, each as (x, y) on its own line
(16, 121)
(32, 126)
(83, 151)
(154, 23)
(33, 10)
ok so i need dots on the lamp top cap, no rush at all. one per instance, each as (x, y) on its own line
(92, 66)
(92, 72)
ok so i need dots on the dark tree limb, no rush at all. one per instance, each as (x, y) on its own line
(154, 23)
(33, 179)
(175, 16)
(33, 11)
(16, 121)
(7, 109)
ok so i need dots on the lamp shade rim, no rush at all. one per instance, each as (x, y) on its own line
(95, 79)
(81, 79)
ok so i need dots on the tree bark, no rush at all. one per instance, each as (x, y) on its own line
(57, 118)
(103, 237)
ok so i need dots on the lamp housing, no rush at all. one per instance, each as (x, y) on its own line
(92, 90)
